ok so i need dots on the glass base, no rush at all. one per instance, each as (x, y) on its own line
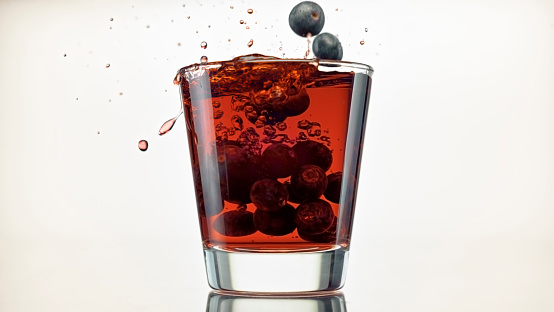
(276, 272)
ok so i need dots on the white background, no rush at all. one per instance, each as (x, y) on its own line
(456, 198)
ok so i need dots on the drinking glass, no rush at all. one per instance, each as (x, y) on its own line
(275, 147)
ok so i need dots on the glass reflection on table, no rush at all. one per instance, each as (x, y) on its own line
(220, 302)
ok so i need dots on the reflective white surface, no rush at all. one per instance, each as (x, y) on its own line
(455, 207)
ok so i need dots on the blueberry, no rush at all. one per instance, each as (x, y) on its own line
(332, 193)
(237, 172)
(329, 236)
(277, 223)
(327, 46)
(235, 223)
(313, 153)
(280, 160)
(269, 195)
(308, 183)
(314, 217)
(306, 17)
(297, 102)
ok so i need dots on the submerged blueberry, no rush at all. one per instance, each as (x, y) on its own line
(306, 17)
(327, 46)
(277, 223)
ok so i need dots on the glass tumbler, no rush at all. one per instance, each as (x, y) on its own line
(275, 147)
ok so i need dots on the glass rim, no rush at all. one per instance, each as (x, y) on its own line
(258, 58)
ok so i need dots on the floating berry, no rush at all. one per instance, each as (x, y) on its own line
(269, 195)
(328, 236)
(332, 193)
(308, 183)
(313, 153)
(280, 160)
(277, 223)
(314, 217)
(235, 223)
(297, 102)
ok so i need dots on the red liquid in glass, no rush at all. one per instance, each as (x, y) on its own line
(234, 112)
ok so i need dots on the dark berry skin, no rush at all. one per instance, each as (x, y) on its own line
(328, 236)
(235, 223)
(314, 217)
(269, 195)
(308, 183)
(237, 173)
(275, 223)
(297, 102)
(279, 160)
(327, 46)
(313, 153)
(306, 18)
(332, 193)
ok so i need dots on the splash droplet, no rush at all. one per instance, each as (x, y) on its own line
(366, 30)
(108, 65)
(111, 19)
(204, 44)
(97, 132)
(232, 7)
(247, 27)
(250, 43)
(362, 42)
(241, 21)
(166, 127)
(204, 59)
(250, 11)
(188, 17)
(143, 145)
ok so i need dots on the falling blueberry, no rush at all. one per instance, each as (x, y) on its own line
(306, 18)
(327, 46)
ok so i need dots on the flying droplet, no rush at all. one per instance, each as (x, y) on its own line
(204, 44)
(250, 43)
(232, 7)
(108, 65)
(188, 17)
(166, 127)
(247, 27)
(250, 11)
(366, 30)
(111, 19)
(97, 132)
(143, 145)
(204, 59)
(241, 21)
(362, 42)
